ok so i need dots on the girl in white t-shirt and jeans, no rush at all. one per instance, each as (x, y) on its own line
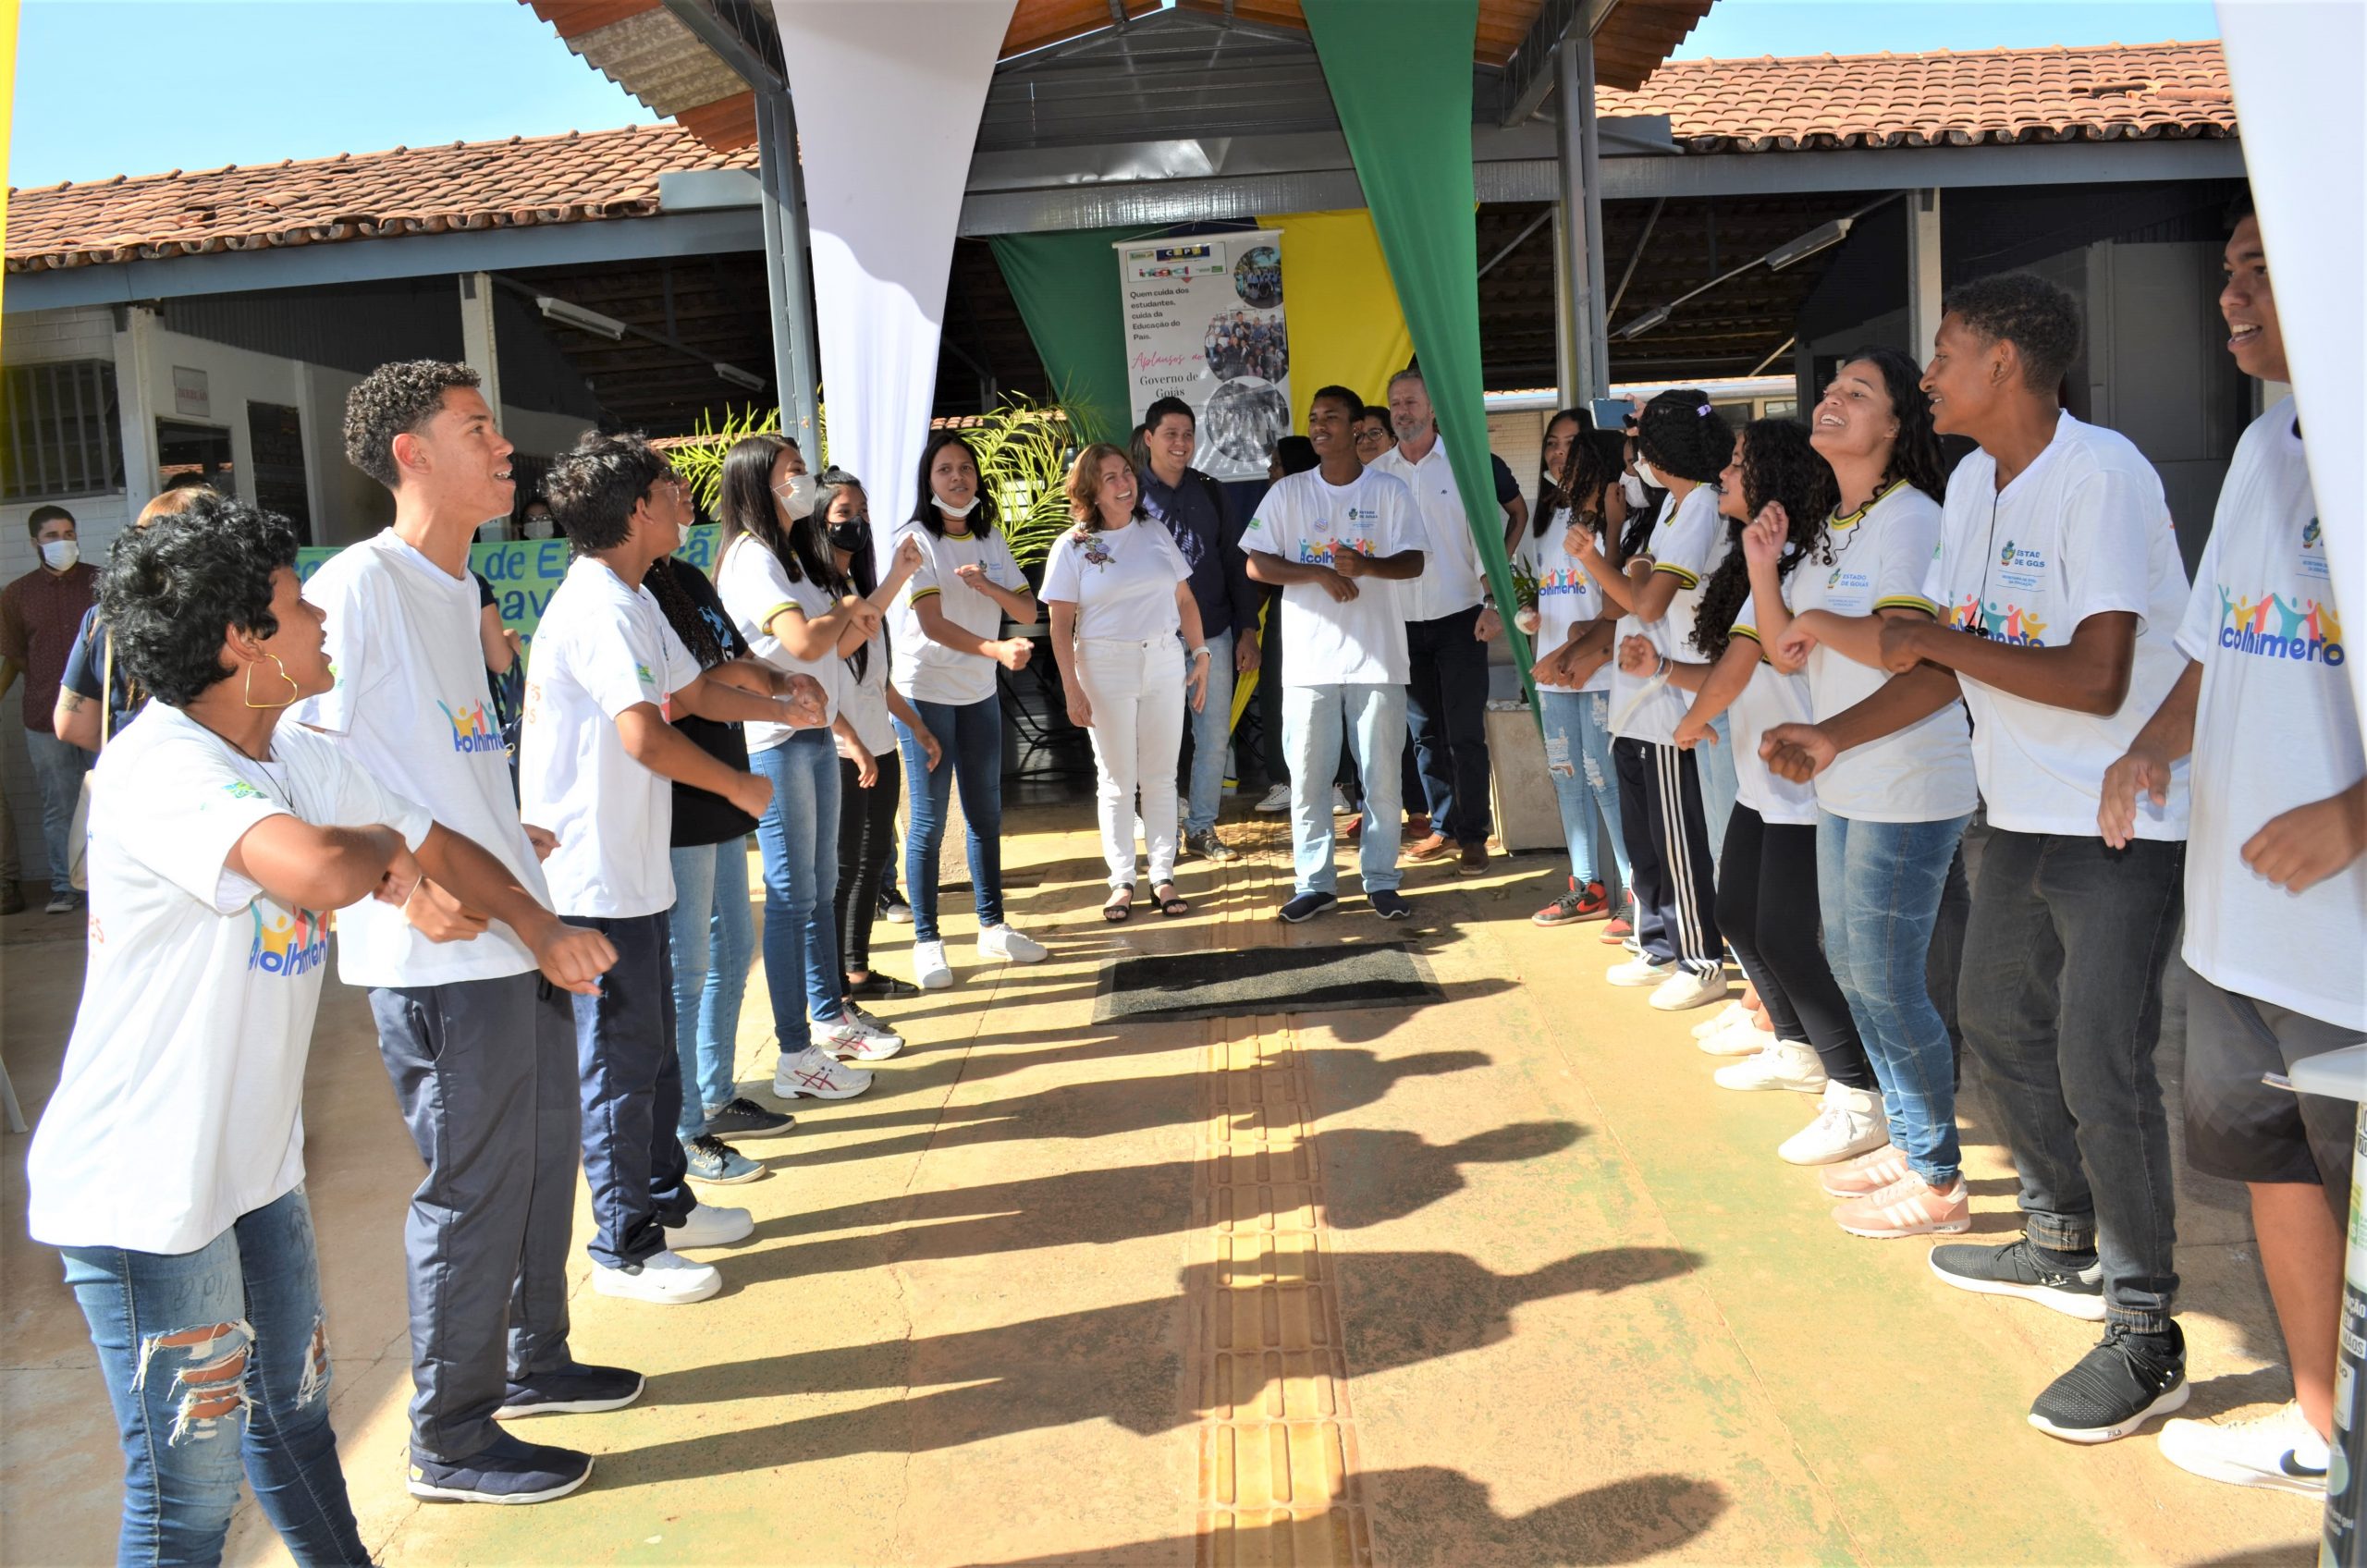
(1121, 597)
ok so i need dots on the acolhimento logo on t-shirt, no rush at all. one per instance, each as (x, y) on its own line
(2009, 623)
(288, 946)
(473, 728)
(2306, 631)
(1563, 580)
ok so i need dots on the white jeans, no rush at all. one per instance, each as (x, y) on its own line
(1136, 691)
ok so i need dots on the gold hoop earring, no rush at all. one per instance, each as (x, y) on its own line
(294, 690)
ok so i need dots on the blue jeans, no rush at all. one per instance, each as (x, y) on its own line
(218, 1361)
(1718, 785)
(1374, 720)
(971, 734)
(1211, 738)
(713, 938)
(1586, 781)
(1879, 883)
(58, 766)
(799, 835)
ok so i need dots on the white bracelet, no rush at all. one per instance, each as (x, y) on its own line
(1202, 652)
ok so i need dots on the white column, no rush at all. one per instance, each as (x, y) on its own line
(134, 354)
(1584, 353)
(1923, 288)
(477, 342)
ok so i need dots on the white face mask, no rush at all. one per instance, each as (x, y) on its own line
(539, 527)
(1650, 476)
(1633, 488)
(797, 495)
(952, 511)
(60, 555)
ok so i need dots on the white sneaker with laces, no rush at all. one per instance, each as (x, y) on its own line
(664, 1279)
(1684, 988)
(1850, 1123)
(1746, 1038)
(2280, 1451)
(1003, 943)
(930, 972)
(1726, 1017)
(1640, 971)
(710, 1225)
(812, 1071)
(1277, 799)
(849, 1036)
(1784, 1064)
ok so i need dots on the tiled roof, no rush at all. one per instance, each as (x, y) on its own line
(581, 177)
(2111, 91)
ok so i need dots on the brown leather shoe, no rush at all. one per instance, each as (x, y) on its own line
(1428, 848)
(1416, 828)
(1473, 859)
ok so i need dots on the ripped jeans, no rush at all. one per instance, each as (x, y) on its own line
(1577, 758)
(216, 1362)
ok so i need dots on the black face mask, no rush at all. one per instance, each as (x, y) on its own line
(851, 536)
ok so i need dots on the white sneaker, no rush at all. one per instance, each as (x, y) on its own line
(1784, 1064)
(1684, 988)
(1003, 943)
(930, 972)
(1277, 799)
(812, 1071)
(2280, 1451)
(858, 1037)
(1339, 806)
(662, 1278)
(710, 1225)
(1640, 971)
(1744, 1037)
(1726, 1017)
(1849, 1123)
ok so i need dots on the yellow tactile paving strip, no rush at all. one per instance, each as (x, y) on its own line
(1278, 1444)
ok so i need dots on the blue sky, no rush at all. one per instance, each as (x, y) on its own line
(258, 80)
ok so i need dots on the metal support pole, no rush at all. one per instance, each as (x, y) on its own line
(789, 280)
(479, 348)
(1923, 286)
(1586, 347)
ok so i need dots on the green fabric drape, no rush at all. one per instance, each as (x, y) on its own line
(1066, 287)
(1400, 74)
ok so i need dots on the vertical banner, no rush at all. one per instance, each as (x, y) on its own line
(1205, 323)
(888, 104)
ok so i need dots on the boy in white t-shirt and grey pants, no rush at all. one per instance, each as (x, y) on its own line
(597, 763)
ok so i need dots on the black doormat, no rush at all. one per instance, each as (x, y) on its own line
(1164, 986)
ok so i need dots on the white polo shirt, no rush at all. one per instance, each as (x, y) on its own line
(1450, 580)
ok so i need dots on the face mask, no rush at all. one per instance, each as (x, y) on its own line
(1650, 476)
(60, 555)
(1633, 488)
(851, 536)
(953, 512)
(797, 495)
(539, 527)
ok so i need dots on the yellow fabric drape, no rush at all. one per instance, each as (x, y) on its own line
(1345, 326)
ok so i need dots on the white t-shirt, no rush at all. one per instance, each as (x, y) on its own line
(1881, 556)
(180, 1106)
(1687, 542)
(755, 586)
(1450, 580)
(2083, 531)
(864, 701)
(1566, 597)
(1325, 642)
(1121, 581)
(926, 670)
(412, 707)
(1770, 698)
(2276, 729)
(603, 648)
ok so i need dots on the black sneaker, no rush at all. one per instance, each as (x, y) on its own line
(743, 1118)
(2018, 1269)
(573, 1390)
(505, 1471)
(877, 987)
(1306, 906)
(2116, 1387)
(1389, 904)
(1209, 847)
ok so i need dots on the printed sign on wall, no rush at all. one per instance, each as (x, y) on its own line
(1205, 323)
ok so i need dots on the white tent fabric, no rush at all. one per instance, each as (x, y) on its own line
(888, 95)
(2295, 65)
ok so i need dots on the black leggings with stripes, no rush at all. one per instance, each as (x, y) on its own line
(1668, 847)
(1767, 907)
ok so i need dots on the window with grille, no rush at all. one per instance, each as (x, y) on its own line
(59, 433)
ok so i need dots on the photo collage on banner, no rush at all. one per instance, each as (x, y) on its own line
(1205, 323)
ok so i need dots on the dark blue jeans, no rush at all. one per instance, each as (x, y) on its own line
(1446, 711)
(633, 1093)
(2062, 1004)
(972, 736)
(216, 1362)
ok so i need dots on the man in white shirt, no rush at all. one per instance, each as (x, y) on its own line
(2059, 582)
(2277, 890)
(1446, 686)
(1336, 540)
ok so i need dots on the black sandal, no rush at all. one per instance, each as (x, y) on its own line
(1114, 912)
(1172, 905)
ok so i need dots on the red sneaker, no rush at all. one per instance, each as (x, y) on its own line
(1589, 903)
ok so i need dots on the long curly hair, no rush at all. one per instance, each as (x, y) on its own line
(1915, 455)
(1680, 433)
(1587, 473)
(1778, 465)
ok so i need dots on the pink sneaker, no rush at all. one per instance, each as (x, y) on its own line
(1909, 1207)
(1867, 1173)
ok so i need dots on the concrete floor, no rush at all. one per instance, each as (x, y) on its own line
(1503, 1279)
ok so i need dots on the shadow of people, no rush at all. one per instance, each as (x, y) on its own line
(1123, 1363)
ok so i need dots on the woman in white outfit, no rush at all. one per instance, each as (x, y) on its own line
(1119, 594)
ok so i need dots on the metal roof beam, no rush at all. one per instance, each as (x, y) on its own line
(724, 40)
(1528, 75)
